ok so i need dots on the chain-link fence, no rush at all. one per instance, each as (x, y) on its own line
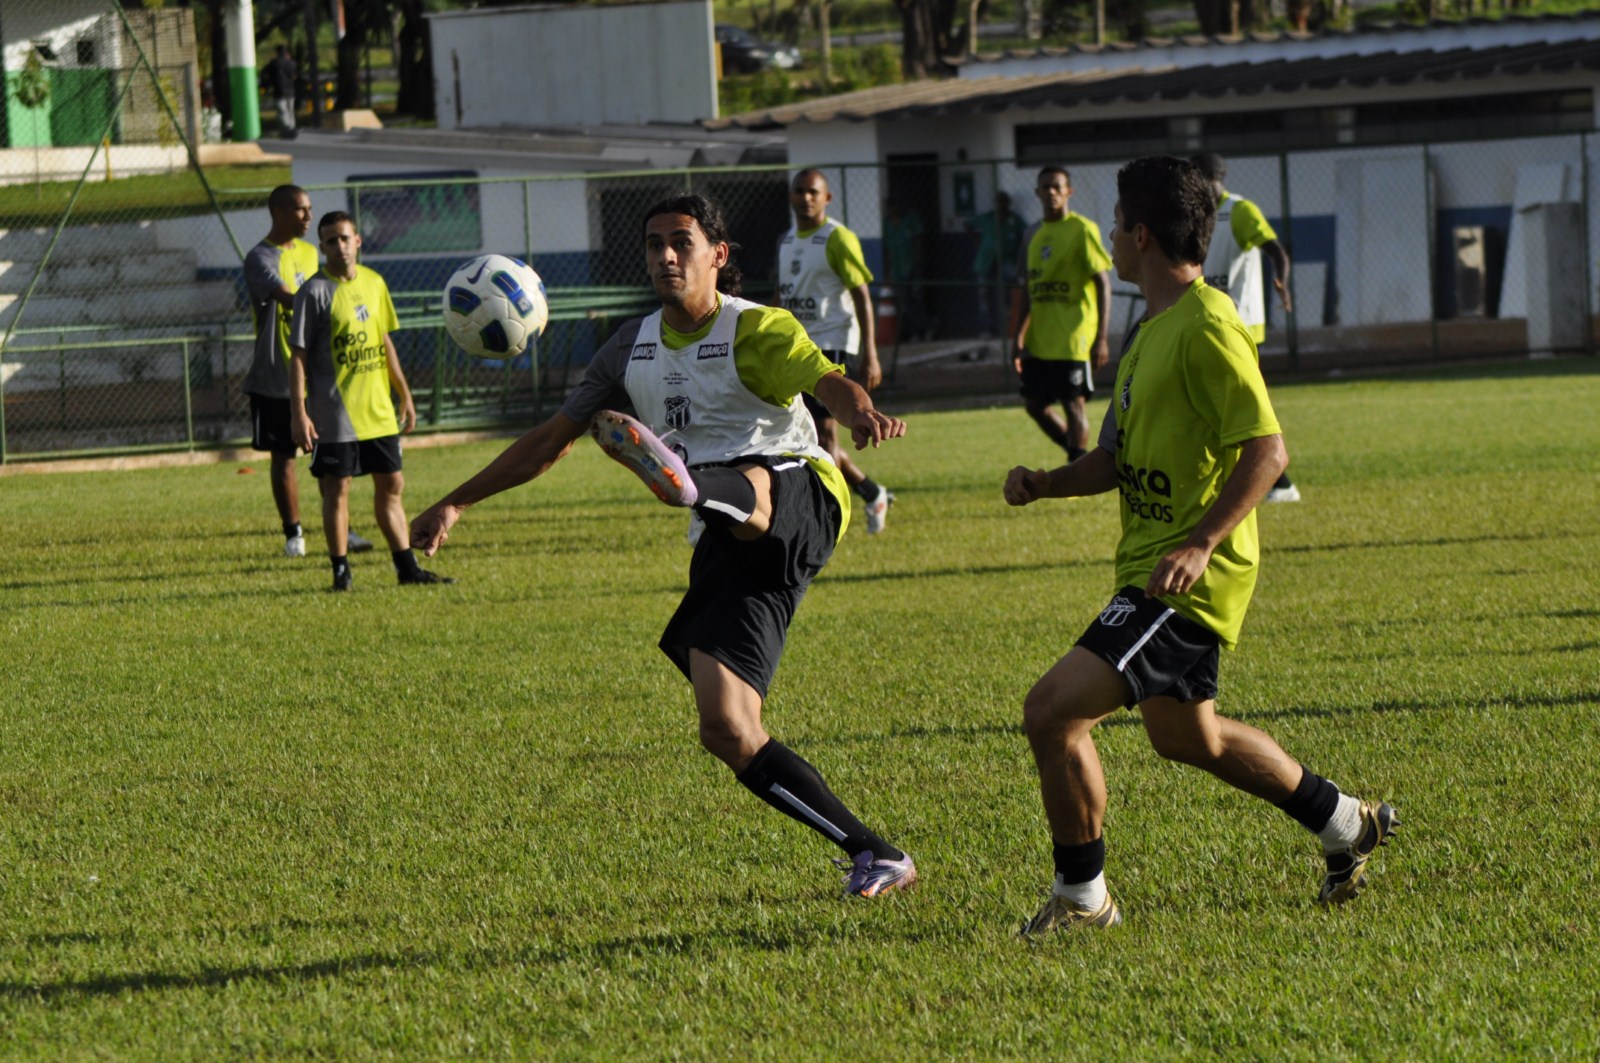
(127, 326)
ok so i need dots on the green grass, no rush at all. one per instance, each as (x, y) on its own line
(244, 817)
(133, 198)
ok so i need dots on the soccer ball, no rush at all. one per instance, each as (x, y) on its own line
(494, 306)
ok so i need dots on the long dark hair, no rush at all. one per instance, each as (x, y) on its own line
(707, 215)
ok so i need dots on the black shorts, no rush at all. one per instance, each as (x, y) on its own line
(1046, 380)
(1161, 653)
(356, 459)
(742, 595)
(818, 410)
(269, 426)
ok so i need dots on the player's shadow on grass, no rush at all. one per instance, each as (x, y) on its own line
(640, 947)
(1442, 540)
(961, 571)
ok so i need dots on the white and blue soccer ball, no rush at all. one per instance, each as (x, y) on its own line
(495, 306)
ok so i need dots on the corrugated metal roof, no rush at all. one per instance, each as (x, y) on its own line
(966, 96)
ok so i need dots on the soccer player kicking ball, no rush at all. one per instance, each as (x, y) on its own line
(1192, 444)
(344, 365)
(715, 382)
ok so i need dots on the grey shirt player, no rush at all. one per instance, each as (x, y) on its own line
(268, 269)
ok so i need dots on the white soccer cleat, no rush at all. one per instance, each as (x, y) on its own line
(295, 547)
(878, 510)
(1291, 493)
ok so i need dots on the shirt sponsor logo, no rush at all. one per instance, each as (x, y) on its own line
(820, 238)
(1116, 614)
(711, 350)
(674, 378)
(1219, 281)
(299, 279)
(643, 352)
(677, 412)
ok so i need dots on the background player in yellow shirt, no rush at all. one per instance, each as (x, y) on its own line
(1233, 264)
(274, 270)
(343, 371)
(1191, 444)
(1061, 321)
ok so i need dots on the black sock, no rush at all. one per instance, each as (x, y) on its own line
(1080, 863)
(1312, 802)
(291, 529)
(781, 777)
(727, 497)
(866, 489)
(1284, 481)
(405, 562)
(1074, 453)
(341, 565)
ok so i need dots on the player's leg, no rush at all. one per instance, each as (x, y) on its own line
(1077, 427)
(1039, 395)
(1059, 715)
(382, 458)
(286, 489)
(1191, 732)
(731, 730)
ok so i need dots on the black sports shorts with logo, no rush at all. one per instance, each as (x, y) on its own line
(356, 459)
(1049, 380)
(742, 595)
(269, 426)
(1159, 651)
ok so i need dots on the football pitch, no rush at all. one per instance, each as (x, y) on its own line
(244, 817)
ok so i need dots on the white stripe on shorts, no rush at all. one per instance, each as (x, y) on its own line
(787, 465)
(1146, 637)
(810, 813)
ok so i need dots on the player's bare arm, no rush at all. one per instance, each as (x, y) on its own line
(871, 369)
(529, 457)
(1280, 272)
(1261, 461)
(1102, 339)
(397, 381)
(300, 426)
(1093, 474)
(852, 407)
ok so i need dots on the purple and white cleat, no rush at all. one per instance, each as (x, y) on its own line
(630, 442)
(869, 876)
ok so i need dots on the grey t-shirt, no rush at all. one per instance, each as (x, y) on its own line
(602, 385)
(263, 277)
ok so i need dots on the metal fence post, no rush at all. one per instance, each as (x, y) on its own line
(1292, 318)
(1433, 251)
(527, 219)
(1588, 249)
(188, 393)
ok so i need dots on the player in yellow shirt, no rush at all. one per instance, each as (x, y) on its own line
(1233, 264)
(1061, 322)
(715, 385)
(1191, 443)
(343, 371)
(274, 270)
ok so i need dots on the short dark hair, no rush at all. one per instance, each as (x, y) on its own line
(334, 217)
(811, 171)
(284, 196)
(708, 216)
(1211, 165)
(1173, 199)
(1062, 170)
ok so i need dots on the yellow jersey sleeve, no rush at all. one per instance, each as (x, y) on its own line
(846, 259)
(775, 358)
(1250, 227)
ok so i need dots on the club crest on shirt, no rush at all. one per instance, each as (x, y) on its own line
(643, 352)
(1044, 253)
(299, 279)
(1116, 614)
(362, 313)
(677, 412)
(794, 266)
(711, 350)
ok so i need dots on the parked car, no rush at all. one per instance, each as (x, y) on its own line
(743, 53)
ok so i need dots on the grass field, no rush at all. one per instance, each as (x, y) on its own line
(246, 818)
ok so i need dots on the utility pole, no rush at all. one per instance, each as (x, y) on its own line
(240, 26)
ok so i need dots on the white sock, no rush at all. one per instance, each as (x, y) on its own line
(1089, 895)
(1344, 826)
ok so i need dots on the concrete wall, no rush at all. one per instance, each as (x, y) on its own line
(578, 64)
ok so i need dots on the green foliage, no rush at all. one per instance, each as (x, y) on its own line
(246, 818)
(32, 86)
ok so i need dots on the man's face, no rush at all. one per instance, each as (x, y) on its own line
(1124, 250)
(809, 196)
(1053, 191)
(682, 263)
(340, 244)
(296, 216)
